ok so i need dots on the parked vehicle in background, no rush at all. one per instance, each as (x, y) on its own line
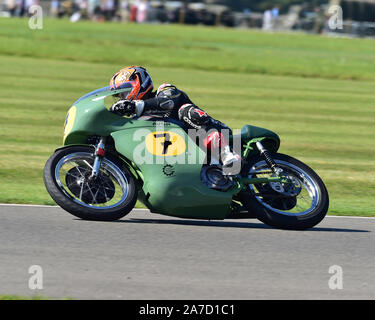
(358, 15)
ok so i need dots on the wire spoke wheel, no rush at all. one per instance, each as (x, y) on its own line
(300, 203)
(107, 190)
(298, 197)
(108, 196)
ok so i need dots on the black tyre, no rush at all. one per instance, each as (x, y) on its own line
(109, 197)
(297, 205)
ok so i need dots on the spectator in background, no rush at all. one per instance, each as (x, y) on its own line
(247, 18)
(11, 6)
(124, 10)
(67, 8)
(275, 12)
(83, 8)
(319, 21)
(267, 20)
(54, 9)
(28, 4)
(109, 9)
(133, 12)
(20, 8)
(142, 11)
(275, 15)
(91, 7)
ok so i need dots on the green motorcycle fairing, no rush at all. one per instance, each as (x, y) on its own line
(161, 153)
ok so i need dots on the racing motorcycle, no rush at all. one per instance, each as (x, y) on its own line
(108, 162)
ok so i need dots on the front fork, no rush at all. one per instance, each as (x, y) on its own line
(99, 155)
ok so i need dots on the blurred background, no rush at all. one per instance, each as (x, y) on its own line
(273, 64)
(283, 15)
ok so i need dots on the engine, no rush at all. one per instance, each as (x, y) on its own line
(212, 176)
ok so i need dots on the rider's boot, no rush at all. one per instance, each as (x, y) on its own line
(231, 161)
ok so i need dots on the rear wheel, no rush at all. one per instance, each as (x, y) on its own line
(109, 196)
(299, 204)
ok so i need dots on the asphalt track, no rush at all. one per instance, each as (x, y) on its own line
(150, 256)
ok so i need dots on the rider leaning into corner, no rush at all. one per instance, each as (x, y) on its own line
(169, 102)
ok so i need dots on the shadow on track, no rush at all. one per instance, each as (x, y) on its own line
(225, 224)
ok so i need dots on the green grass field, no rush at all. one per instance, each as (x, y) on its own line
(317, 93)
(15, 297)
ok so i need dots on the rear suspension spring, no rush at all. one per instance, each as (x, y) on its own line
(267, 157)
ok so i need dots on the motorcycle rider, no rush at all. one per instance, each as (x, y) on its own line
(170, 102)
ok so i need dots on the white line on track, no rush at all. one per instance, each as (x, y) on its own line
(47, 206)
(349, 217)
(40, 206)
(27, 205)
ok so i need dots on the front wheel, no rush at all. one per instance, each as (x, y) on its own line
(299, 204)
(109, 196)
